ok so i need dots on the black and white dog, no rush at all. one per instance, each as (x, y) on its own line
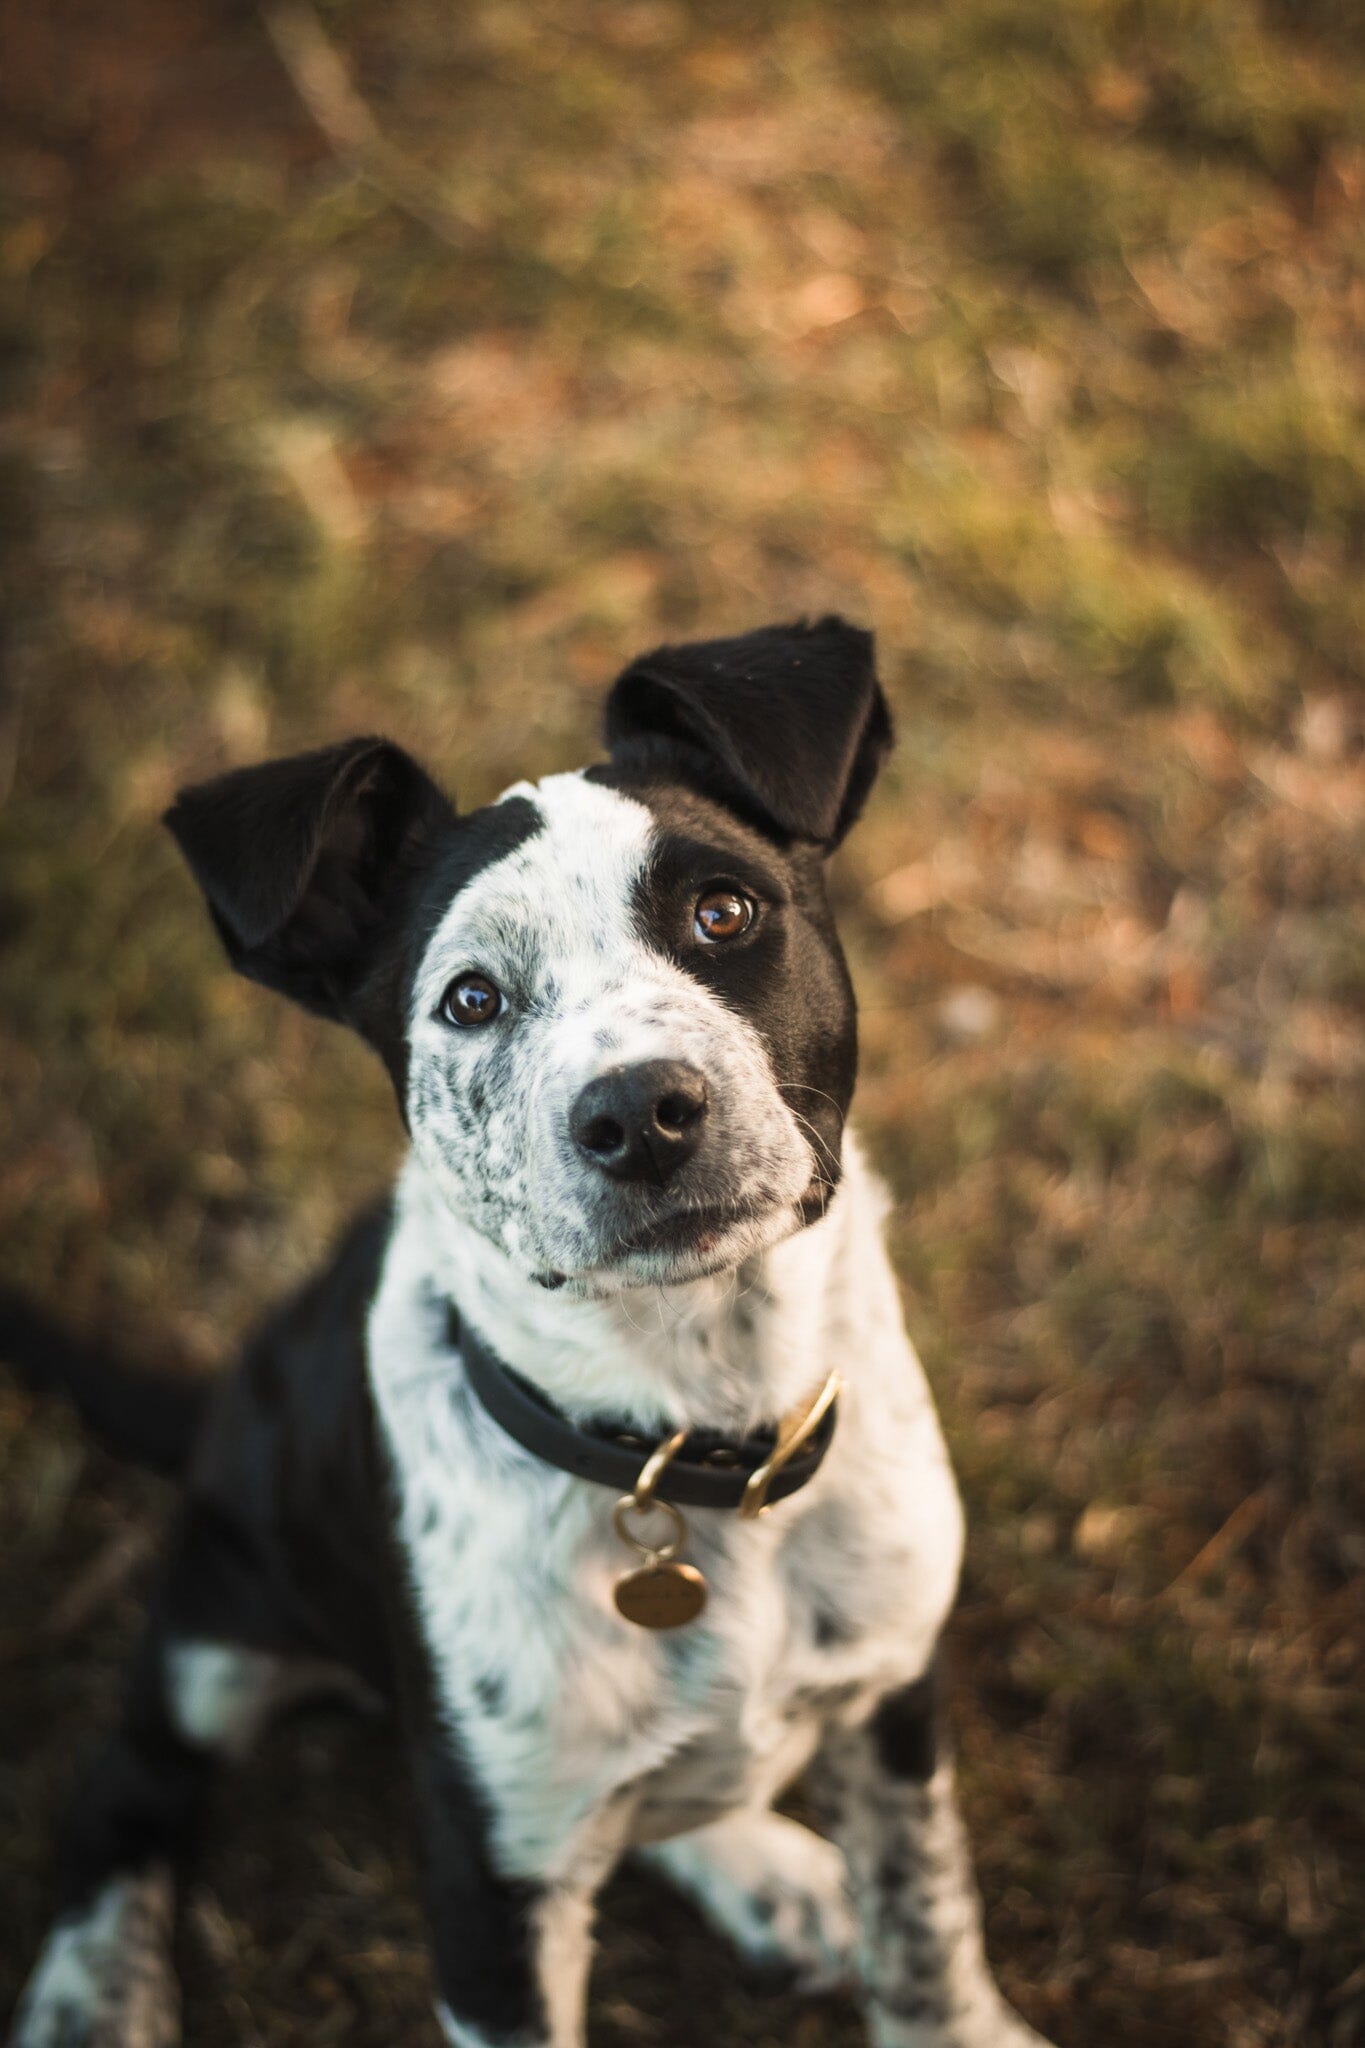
(631, 1244)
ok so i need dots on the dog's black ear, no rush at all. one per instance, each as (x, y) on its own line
(302, 861)
(789, 723)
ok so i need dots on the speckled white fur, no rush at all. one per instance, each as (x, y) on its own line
(514, 1561)
(779, 1892)
(552, 925)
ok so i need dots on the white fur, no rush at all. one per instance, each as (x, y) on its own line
(222, 1695)
(778, 1891)
(104, 1974)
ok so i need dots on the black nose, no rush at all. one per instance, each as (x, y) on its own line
(641, 1123)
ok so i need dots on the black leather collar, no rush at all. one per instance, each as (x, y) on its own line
(711, 1470)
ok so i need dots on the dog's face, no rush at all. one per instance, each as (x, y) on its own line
(613, 1003)
(630, 1042)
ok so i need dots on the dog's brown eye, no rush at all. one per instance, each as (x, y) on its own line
(723, 914)
(471, 999)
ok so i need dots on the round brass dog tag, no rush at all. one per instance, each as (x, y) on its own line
(663, 1594)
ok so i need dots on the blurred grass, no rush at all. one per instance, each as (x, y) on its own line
(1034, 336)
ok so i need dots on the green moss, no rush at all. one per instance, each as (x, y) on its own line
(1269, 455)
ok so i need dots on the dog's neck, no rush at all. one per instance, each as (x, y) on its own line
(729, 1352)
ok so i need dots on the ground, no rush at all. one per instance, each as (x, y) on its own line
(411, 367)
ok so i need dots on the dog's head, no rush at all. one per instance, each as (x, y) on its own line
(613, 1003)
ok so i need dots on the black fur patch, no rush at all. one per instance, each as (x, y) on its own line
(301, 861)
(905, 1730)
(482, 1924)
(786, 975)
(788, 725)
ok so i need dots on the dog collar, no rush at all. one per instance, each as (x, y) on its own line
(697, 1468)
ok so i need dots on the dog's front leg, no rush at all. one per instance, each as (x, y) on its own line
(510, 1955)
(889, 1788)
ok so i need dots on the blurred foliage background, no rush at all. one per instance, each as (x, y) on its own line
(409, 366)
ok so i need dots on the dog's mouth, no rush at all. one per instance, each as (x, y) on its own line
(686, 1230)
(697, 1234)
(695, 1241)
(690, 1243)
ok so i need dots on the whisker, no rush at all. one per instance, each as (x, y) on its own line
(805, 1088)
(818, 1140)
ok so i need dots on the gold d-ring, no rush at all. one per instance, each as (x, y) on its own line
(654, 1467)
(658, 1553)
(794, 1432)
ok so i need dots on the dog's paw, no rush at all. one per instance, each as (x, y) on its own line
(776, 1889)
(914, 2023)
(1012, 2032)
(104, 1978)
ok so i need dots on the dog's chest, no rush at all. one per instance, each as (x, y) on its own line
(571, 1718)
(566, 1711)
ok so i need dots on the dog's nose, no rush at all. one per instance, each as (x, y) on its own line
(641, 1123)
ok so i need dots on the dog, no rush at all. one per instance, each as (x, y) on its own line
(599, 1453)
